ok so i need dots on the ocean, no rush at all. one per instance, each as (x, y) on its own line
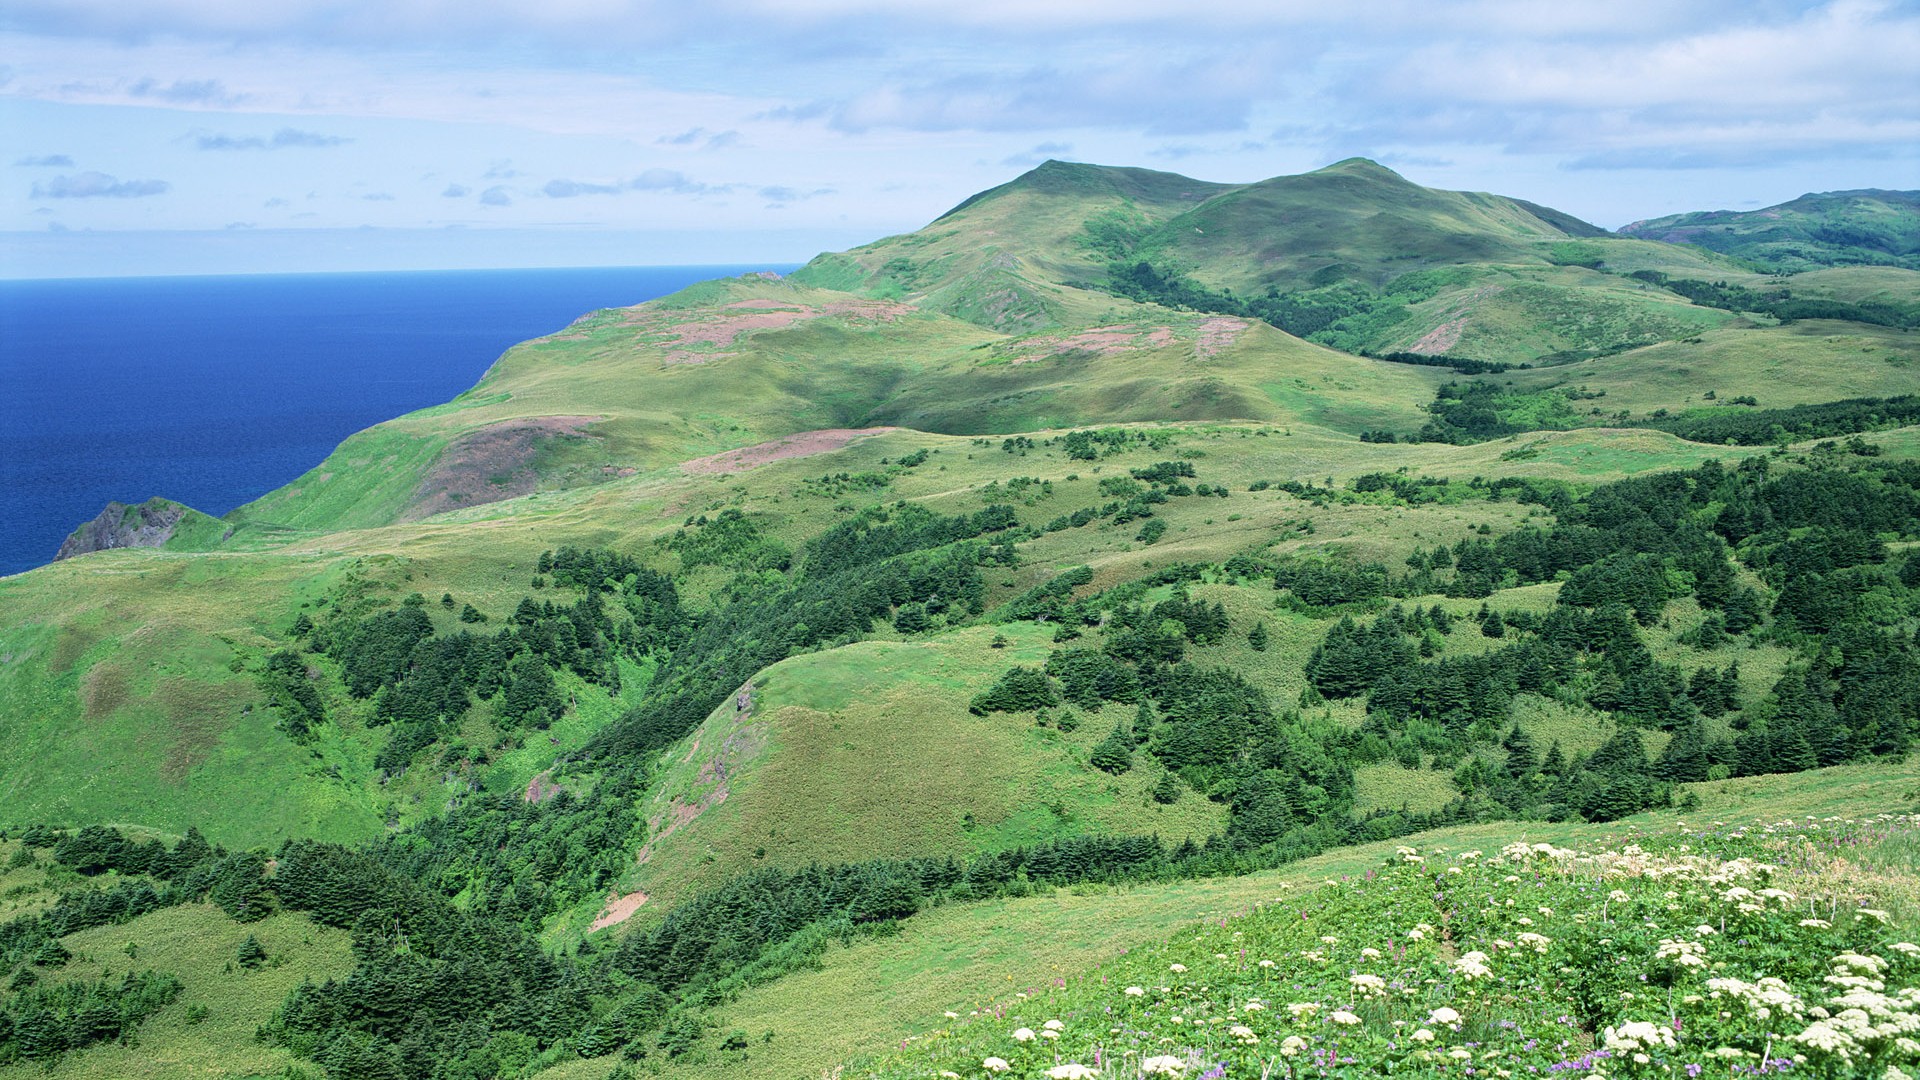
(213, 391)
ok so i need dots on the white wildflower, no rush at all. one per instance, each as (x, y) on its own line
(1164, 1065)
(1023, 1035)
(995, 1065)
(1635, 1034)
(1473, 965)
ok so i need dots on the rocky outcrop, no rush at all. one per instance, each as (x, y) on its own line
(150, 524)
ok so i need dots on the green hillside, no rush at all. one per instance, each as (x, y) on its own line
(1831, 228)
(973, 605)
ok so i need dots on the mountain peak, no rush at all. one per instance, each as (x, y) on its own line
(1056, 177)
(1359, 166)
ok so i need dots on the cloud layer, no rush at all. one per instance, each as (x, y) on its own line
(94, 185)
(735, 114)
(279, 140)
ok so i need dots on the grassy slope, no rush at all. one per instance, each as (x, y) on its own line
(1000, 257)
(869, 750)
(82, 710)
(867, 997)
(1355, 220)
(1813, 230)
(873, 995)
(1800, 364)
(124, 676)
(195, 943)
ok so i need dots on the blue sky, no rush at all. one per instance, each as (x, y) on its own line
(234, 135)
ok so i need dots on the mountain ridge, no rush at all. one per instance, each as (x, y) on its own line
(973, 571)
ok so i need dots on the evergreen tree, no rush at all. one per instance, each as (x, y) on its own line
(1555, 763)
(1685, 758)
(531, 697)
(1520, 757)
(250, 954)
(1257, 637)
(1114, 754)
(1167, 790)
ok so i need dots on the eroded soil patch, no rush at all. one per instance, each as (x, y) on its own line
(1094, 341)
(713, 334)
(618, 910)
(490, 464)
(1216, 334)
(712, 782)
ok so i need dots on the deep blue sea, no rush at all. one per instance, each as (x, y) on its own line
(215, 390)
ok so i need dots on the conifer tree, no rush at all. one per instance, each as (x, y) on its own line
(250, 954)
(1115, 752)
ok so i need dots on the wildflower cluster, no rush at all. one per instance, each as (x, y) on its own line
(1677, 955)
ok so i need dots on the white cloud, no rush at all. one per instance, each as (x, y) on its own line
(93, 185)
(279, 140)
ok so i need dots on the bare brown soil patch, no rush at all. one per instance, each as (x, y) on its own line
(802, 444)
(541, 788)
(1216, 334)
(1440, 339)
(618, 910)
(717, 771)
(490, 464)
(711, 335)
(1093, 341)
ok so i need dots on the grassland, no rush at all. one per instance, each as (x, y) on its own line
(129, 688)
(879, 994)
(1800, 364)
(201, 624)
(1870, 227)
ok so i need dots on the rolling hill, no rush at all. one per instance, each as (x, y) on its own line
(1066, 563)
(1869, 227)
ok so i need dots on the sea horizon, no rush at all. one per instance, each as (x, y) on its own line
(214, 389)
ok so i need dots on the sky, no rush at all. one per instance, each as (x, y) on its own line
(228, 136)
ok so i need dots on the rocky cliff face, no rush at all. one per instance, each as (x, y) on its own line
(150, 524)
